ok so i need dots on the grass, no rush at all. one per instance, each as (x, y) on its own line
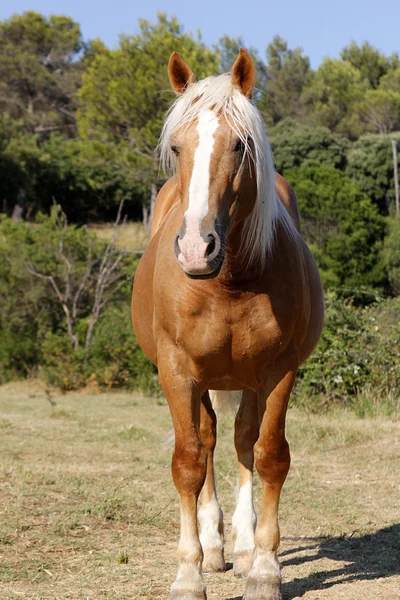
(88, 508)
(131, 236)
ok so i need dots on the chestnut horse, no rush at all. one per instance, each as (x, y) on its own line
(227, 297)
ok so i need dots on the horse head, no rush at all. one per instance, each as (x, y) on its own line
(210, 139)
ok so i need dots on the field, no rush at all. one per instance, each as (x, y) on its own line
(132, 236)
(88, 509)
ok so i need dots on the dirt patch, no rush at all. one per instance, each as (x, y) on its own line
(88, 509)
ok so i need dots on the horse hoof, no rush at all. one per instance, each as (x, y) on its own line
(242, 563)
(214, 561)
(263, 589)
(187, 594)
(189, 588)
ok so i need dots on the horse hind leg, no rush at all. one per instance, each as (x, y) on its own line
(210, 517)
(272, 461)
(244, 518)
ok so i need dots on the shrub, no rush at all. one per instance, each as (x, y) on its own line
(34, 331)
(359, 351)
(341, 225)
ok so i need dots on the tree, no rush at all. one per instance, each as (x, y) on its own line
(40, 71)
(342, 226)
(391, 254)
(332, 97)
(55, 281)
(293, 144)
(368, 60)
(288, 71)
(126, 93)
(370, 166)
(381, 110)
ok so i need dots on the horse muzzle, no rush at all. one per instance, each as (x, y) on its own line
(200, 254)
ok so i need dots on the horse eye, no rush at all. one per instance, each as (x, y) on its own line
(175, 150)
(240, 147)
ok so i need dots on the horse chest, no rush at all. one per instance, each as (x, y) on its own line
(222, 337)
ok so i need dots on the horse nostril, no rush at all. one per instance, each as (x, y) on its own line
(211, 244)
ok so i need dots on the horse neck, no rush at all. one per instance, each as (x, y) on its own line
(236, 270)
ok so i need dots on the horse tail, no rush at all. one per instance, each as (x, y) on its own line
(222, 401)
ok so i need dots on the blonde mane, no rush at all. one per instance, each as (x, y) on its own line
(218, 94)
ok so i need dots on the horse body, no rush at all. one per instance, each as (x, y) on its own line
(213, 320)
(234, 327)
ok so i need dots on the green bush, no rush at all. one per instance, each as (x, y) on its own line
(341, 225)
(114, 358)
(33, 327)
(359, 351)
(391, 254)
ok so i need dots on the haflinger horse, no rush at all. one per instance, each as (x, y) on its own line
(227, 301)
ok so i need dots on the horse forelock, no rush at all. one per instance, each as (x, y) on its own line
(222, 97)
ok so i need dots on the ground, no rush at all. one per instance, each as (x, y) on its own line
(88, 509)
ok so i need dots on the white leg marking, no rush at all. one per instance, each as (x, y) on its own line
(265, 566)
(244, 519)
(189, 579)
(210, 521)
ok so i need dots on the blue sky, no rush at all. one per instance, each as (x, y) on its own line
(321, 27)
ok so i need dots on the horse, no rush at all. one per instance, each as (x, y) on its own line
(228, 303)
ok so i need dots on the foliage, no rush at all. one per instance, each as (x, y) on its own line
(333, 95)
(391, 254)
(341, 225)
(80, 123)
(369, 61)
(126, 93)
(288, 72)
(370, 166)
(33, 326)
(39, 74)
(294, 144)
(358, 351)
(113, 360)
(381, 110)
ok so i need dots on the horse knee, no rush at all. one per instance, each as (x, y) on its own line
(272, 460)
(189, 466)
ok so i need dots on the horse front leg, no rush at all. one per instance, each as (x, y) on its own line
(189, 464)
(272, 461)
(210, 515)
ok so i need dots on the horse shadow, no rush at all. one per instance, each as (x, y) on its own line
(369, 557)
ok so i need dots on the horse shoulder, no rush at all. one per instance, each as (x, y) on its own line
(288, 198)
(167, 197)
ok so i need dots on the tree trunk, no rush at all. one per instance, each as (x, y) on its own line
(145, 217)
(17, 213)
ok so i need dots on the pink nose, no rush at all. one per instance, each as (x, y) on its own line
(193, 255)
(196, 255)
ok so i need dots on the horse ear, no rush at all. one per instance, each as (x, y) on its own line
(179, 74)
(244, 73)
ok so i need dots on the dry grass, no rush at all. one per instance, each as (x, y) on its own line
(89, 511)
(131, 236)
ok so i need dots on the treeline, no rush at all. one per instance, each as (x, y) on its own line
(80, 124)
(79, 127)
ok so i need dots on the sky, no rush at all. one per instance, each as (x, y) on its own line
(321, 27)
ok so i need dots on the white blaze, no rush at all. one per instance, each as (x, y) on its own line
(200, 181)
